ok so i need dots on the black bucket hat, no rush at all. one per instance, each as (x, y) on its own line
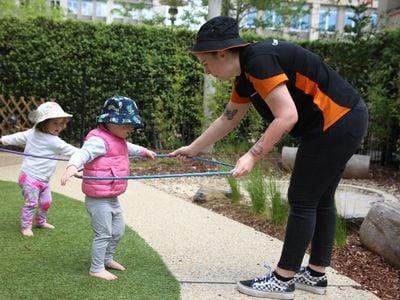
(217, 34)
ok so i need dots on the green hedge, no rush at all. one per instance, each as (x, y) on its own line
(82, 64)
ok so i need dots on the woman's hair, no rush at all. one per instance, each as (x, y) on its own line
(231, 50)
(235, 49)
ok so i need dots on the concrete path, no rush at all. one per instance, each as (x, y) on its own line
(206, 252)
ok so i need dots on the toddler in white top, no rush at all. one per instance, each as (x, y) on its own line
(41, 140)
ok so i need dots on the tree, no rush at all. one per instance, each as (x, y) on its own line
(194, 14)
(360, 18)
(287, 10)
(126, 8)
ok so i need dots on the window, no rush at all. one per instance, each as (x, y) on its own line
(300, 23)
(87, 8)
(251, 18)
(374, 20)
(117, 10)
(55, 4)
(349, 24)
(272, 19)
(101, 9)
(327, 19)
(73, 6)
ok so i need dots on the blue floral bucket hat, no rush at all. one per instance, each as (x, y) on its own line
(120, 110)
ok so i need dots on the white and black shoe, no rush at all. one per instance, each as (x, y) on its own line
(267, 286)
(305, 281)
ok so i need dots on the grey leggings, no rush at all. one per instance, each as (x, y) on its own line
(108, 226)
(318, 168)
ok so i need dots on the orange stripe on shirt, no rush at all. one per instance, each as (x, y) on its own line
(265, 86)
(236, 98)
(331, 111)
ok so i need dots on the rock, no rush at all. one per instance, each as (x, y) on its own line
(205, 194)
(356, 167)
(380, 231)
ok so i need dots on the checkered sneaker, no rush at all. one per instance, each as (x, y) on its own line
(305, 281)
(267, 286)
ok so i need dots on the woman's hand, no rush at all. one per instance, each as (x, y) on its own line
(184, 152)
(244, 165)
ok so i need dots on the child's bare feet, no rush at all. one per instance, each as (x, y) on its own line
(103, 275)
(27, 232)
(115, 265)
(46, 226)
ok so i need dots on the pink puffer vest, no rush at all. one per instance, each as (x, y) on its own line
(114, 163)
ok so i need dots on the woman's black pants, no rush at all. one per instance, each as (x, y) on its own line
(318, 168)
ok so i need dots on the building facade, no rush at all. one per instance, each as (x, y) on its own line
(109, 11)
(319, 17)
(389, 10)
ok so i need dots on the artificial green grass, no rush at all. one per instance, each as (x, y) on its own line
(53, 264)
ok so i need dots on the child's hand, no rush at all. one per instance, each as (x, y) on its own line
(149, 153)
(69, 172)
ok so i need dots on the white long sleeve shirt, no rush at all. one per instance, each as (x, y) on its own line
(40, 144)
(94, 147)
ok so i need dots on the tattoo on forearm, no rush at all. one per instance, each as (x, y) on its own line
(230, 114)
(258, 149)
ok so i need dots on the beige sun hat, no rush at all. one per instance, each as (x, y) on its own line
(48, 110)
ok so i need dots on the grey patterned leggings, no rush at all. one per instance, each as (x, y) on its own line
(108, 226)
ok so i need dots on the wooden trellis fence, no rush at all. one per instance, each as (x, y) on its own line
(14, 113)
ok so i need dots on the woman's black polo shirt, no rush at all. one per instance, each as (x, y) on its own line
(321, 96)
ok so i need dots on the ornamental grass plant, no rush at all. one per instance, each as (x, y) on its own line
(340, 231)
(256, 187)
(278, 207)
(235, 189)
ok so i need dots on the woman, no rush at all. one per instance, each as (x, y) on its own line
(299, 95)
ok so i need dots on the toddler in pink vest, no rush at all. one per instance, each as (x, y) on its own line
(105, 153)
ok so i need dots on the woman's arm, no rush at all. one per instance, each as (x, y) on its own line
(233, 113)
(285, 117)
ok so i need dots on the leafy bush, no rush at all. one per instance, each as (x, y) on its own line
(81, 64)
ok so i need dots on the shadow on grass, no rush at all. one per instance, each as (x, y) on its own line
(53, 264)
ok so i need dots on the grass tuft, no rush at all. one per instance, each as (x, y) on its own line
(235, 189)
(256, 187)
(278, 207)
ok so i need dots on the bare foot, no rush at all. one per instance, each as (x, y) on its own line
(103, 275)
(46, 226)
(115, 265)
(27, 232)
